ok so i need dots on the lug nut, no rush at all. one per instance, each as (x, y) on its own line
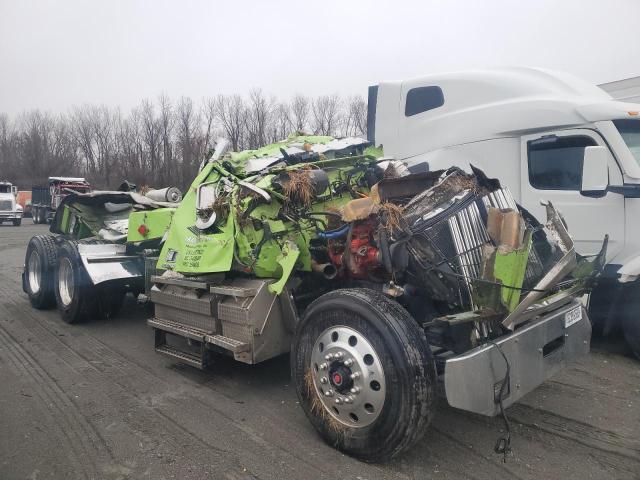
(348, 399)
(338, 401)
(348, 363)
(355, 375)
(355, 390)
(328, 356)
(323, 380)
(338, 355)
(323, 366)
(329, 393)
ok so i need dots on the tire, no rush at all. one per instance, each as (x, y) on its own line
(36, 216)
(378, 336)
(631, 330)
(75, 293)
(39, 271)
(17, 222)
(42, 216)
(631, 320)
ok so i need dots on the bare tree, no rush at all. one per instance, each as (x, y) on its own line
(83, 132)
(232, 114)
(188, 142)
(102, 122)
(326, 114)
(9, 148)
(209, 116)
(163, 142)
(355, 118)
(166, 121)
(259, 112)
(151, 135)
(300, 106)
(280, 125)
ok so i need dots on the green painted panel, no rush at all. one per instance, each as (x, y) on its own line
(157, 223)
(509, 268)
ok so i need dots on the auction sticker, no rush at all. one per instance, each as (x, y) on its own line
(572, 316)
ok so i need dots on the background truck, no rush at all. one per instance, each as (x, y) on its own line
(377, 281)
(547, 135)
(46, 199)
(10, 209)
(24, 200)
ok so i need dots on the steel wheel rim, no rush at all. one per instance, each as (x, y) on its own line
(35, 274)
(65, 281)
(355, 401)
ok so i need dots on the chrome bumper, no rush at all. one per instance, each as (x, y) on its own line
(10, 215)
(535, 352)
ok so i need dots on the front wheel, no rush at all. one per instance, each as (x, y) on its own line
(17, 222)
(364, 373)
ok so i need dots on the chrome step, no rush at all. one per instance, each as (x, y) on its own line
(184, 357)
(177, 329)
(181, 330)
(227, 343)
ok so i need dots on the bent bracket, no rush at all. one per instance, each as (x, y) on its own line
(287, 260)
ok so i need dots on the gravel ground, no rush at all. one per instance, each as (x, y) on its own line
(96, 401)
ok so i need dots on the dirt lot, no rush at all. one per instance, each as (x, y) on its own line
(96, 401)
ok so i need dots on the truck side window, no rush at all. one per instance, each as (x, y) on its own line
(555, 163)
(422, 99)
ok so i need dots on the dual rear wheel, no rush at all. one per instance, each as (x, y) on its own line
(54, 275)
(39, 215)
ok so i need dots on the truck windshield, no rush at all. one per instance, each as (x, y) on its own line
(630, 131)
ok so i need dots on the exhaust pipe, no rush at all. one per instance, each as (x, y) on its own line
(328, 270)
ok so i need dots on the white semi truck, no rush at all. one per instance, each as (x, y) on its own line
(548, 136)
(10, 209)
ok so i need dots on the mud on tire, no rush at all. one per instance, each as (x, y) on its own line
(409, 372)
(39, 270)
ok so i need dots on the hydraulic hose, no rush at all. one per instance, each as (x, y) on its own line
(333, 234)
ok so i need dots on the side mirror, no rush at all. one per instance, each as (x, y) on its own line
(595, 171)
(14, 190)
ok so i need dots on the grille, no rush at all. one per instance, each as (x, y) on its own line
(454, 238)
(6, 205)
(469, 235)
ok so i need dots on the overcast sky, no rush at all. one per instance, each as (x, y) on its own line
(56, 54)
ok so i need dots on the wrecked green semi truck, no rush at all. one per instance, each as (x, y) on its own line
(379, 281)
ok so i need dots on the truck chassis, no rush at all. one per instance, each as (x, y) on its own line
(370, 329)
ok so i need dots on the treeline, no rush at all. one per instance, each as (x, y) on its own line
(161, 142)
